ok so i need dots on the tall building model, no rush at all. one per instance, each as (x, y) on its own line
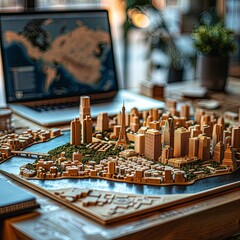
(236, 138)
(102, 122)
(168, 133)
(153, 144)
(87, 130)
(75, 132)
(181, 142)
(122, 138)
(85, 109)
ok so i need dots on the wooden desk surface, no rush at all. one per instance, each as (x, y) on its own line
(213, 217)
(228, 100)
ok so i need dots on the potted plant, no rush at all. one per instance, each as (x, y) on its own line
(214, 44)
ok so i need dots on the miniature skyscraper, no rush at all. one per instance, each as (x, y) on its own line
(102, 122)
(167, 152)
(204, 148)
(153, 144)
(122, 138)
(75, 137)
(139, 143)
(193, 146)
(168, 133)
(185, 111)
(85, 109)
(87, 130)
(219, 152)
(181, 142)
(236, 138)
(217, 135)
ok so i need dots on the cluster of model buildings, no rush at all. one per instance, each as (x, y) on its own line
(170, 138)
(133, 169)
(130, 169)
(10, 143)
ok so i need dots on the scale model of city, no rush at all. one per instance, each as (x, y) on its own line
(149, 147)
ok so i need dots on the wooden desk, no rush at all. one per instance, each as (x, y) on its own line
(214, 217)
(228, 100)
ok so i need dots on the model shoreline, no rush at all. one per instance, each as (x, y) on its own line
(14, 144)
(132, 182)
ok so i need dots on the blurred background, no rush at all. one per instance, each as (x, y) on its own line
(152, 38)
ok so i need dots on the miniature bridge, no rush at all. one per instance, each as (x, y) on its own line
(29, 154)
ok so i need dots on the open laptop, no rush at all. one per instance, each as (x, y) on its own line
(52, 58)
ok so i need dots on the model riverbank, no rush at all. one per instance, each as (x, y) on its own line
(120, 168)
(132, 182)
(15, 144)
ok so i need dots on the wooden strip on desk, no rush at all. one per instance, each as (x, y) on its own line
(169, 200)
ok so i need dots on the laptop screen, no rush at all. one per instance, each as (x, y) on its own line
(57, 54)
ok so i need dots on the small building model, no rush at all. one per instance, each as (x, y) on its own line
(167, 177)
(181, 142)
(193, 146)
(6, 122)
(139, 143)
(102, 122)
(185, 111)
(206, 130)
(77, 156)
(179, 177)
(152, 144)
(135, 125)
(167, 153)
(229, 158)
(168, 133)
(87, 130)
(204, 148)
(154, 125)
(236, 138)
(75, 132)
(154, 113)
(219, 152)
(122, 138)
(196, 130)
(111, 168)
(85, 109)
(217, 135)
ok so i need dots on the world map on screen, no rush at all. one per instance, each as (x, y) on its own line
(74, 52)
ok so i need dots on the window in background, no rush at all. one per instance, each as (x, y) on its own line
(12, 5)
(66, 4)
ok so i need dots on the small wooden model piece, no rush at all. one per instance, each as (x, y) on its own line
(153, 90)
(122, 138)
(107, 207)
(6, 123)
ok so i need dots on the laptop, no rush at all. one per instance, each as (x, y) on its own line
(50, 59)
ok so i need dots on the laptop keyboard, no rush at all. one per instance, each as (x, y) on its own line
(56, 106)
(129, 100)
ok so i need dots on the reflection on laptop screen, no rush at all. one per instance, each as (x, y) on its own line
(48, 55)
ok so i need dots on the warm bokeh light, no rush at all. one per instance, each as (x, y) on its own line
(159, 4)
(140, 20)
